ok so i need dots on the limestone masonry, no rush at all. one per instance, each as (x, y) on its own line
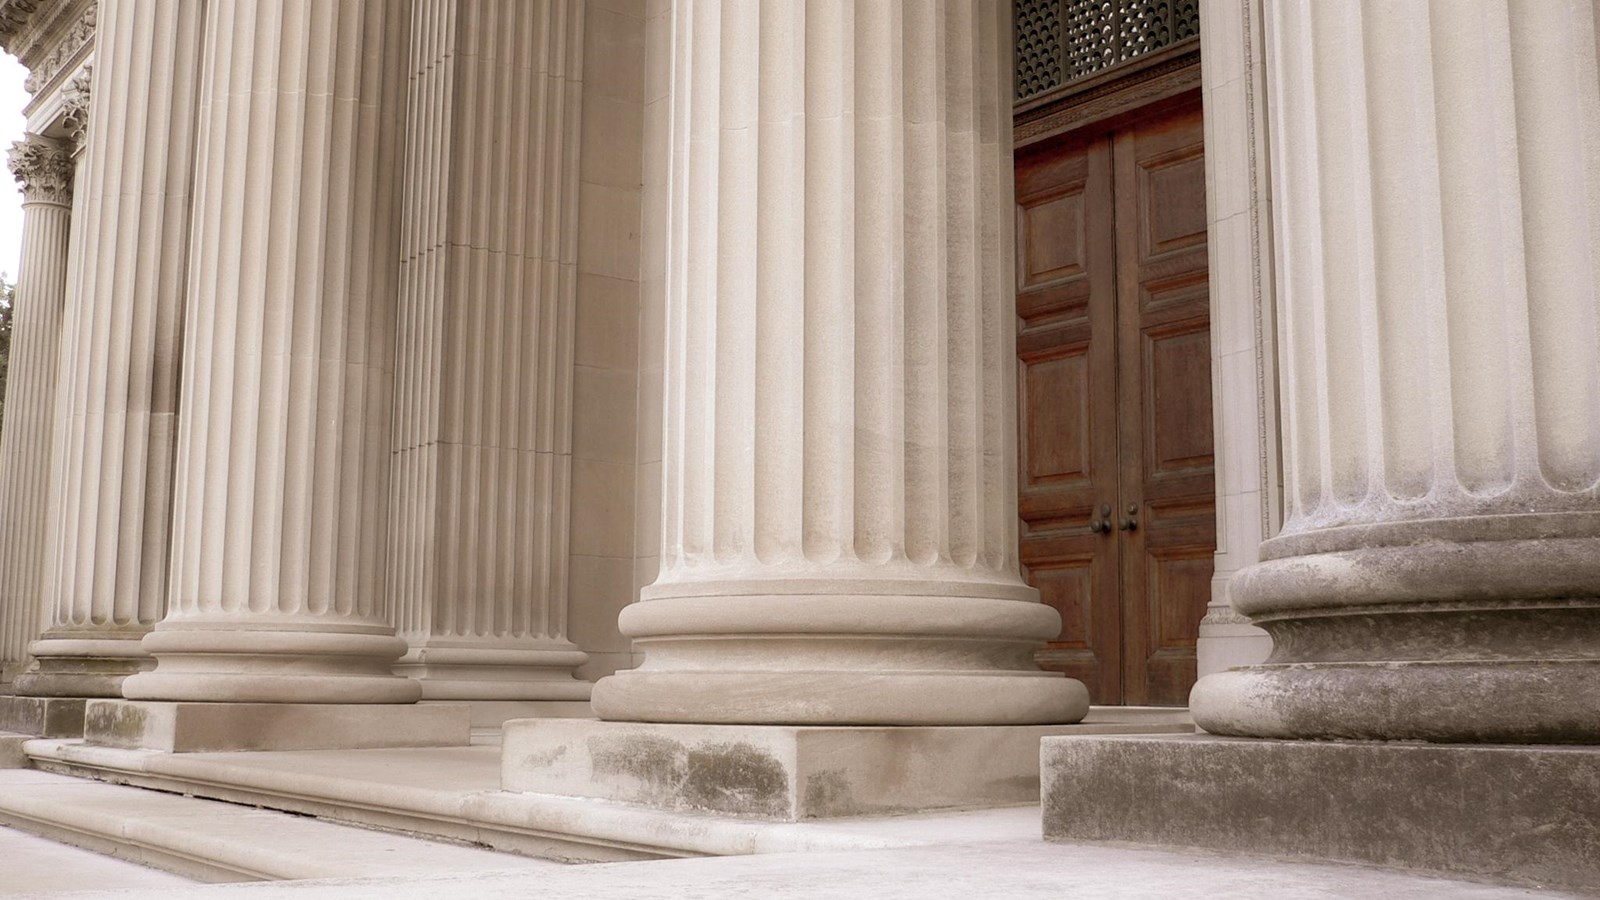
(618, 429)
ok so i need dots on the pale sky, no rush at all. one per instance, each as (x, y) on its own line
(12, 99)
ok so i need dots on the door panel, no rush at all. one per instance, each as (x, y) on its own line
(1114, 355)
(1164, 378)
(1066, 382)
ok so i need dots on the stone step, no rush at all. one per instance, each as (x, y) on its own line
(213, 841)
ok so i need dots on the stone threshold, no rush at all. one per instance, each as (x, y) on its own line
(452, 793)
(217, 842)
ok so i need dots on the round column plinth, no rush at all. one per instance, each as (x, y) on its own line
(261, 666)
(1457, 635)
(73, 664)
(859, 659)
(495, 673)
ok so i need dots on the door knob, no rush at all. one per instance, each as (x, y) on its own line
(1099, 525)
(1129, 524)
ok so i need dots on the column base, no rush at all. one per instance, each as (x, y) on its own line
(69, 664)
(198, 663)
(1519, 813)
(1455, 701)
(51, 717)
(496, 673)
(841, 659)
(783, 772)
(216, 727)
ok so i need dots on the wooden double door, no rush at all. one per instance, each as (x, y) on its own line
(1114, 350)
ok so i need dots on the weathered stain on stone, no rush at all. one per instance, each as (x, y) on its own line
(543, 759)
(118, 724)
(656, 761)
(737, 778)
(828, 793)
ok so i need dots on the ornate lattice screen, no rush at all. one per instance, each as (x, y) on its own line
(1060, 41)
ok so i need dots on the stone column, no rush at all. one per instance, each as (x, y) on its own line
(106, 578)
(1243, 362)
(483, 447)
(1437, 190)
(280, 504)
(44, 171)
(839, 485)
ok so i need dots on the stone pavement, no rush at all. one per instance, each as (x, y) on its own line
(967, 871)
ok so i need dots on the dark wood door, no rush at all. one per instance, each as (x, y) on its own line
(1116, 473)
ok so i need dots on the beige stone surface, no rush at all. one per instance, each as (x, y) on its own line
(280, 516)
(957, 870)
(1522, 814)
(213, 726)
(45, 172)
(1244, 373)
(106, 571)
(838, 461)
(222, 842)
(42, 716)
(37, 866)
(485, 378)
(783, 773)
(12, 756)
(1438, 573)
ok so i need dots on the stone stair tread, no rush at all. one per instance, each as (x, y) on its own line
(217, 841)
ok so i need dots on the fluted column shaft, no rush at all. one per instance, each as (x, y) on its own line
(281, 489)
(44, 171)
(106, 578)
(483, 450)
(839, 485)
(1438, 224)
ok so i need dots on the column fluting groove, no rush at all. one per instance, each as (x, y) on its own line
(44, 171)
(839, 484)
(278, 580)
(106, 578)
(483, 445)
(1438, 573)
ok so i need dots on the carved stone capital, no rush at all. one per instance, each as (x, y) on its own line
(75, 108)
(43, 169)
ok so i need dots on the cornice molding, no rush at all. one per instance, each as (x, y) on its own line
(46, 34)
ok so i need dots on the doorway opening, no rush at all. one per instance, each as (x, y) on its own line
(1116, 474)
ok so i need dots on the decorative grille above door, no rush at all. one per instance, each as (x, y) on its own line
(1062, 41)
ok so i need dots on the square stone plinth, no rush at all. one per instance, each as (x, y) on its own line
(51, 717)
(1527, 814)
(207, 727)
(780, 772)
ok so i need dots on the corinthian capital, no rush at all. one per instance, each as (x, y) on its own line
(43, 169)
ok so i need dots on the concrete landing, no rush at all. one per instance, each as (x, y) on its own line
(1524, 814)
(786, 773)
(960, 871)
(218, 842)
(34, 866)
